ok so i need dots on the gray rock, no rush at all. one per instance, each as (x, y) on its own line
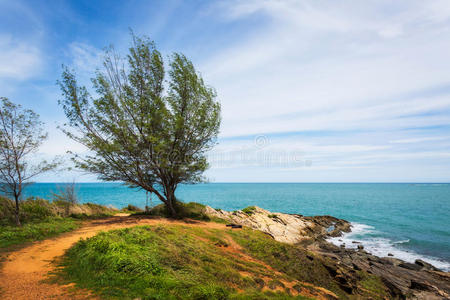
(426, 265)
(404, 280)
(410, 266)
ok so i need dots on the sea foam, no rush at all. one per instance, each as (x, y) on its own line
(366, 235)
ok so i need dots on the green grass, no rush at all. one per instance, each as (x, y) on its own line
(33, 210)
(373, 284)
(296, 262)
(41, 219)
(166, 262)
(286, 258)
(51, 226)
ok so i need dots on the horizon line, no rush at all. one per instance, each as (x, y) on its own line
(273, 182)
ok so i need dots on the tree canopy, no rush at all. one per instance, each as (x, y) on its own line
(21, 134)
(144, 125)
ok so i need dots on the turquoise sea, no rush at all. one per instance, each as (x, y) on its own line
(408, 220)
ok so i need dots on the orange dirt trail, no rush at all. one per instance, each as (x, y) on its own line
(23, 272)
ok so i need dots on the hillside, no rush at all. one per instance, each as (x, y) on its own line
(147, 256)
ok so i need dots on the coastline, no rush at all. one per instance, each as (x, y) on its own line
(398, 211)
(383, 247)
(404, 279)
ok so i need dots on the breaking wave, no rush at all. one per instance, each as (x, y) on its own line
(366, 235)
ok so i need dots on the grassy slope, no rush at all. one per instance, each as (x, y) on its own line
(51, 226)
(179, 262)
(42, 219)
(303, 265)
(165, 262)
(173, 261)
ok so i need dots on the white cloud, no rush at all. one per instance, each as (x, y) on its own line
(419, 140)
(18, 59)
(85, 58)
(354, 77)
(337, 65)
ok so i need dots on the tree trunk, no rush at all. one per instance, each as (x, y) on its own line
(17, 211)
(171, 202)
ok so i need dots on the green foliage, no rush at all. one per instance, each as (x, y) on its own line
(249, 210)
(191, 210)
(6, 211)
(37, 209)
(38, 230)
(21, 134)
(132, 208)
(33, 209)
(164, 262)
(273, 216)
(139, 133)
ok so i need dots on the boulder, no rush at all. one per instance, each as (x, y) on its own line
(410, 266)
(425, 265)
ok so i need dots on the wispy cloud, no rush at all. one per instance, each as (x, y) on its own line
(338, 65)
(85, 58)
(420, 140)
(359, 89)
(18, 59)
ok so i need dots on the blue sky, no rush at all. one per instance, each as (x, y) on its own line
(311, 91)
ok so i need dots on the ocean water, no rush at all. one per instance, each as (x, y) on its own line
(408, 220)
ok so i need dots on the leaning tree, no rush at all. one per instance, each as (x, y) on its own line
(21, 134)
(144, 125)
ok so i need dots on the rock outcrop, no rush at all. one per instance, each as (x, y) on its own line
(419, 280)
(285, 228)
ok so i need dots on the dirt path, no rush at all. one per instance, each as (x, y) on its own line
(22, 273)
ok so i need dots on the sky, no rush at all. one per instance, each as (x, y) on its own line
(311, 91)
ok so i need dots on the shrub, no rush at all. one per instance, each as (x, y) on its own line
(249, 210)
(66, 197)
(132, 208)
(90, 210)
(191, 210)
(36, 209)
(67, 193)
(31, 210)
(6, 211)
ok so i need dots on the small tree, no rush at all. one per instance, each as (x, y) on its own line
(67, 195)
(21, 134)
(138, 132)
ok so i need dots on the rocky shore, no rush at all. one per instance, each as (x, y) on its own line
(404, 280)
